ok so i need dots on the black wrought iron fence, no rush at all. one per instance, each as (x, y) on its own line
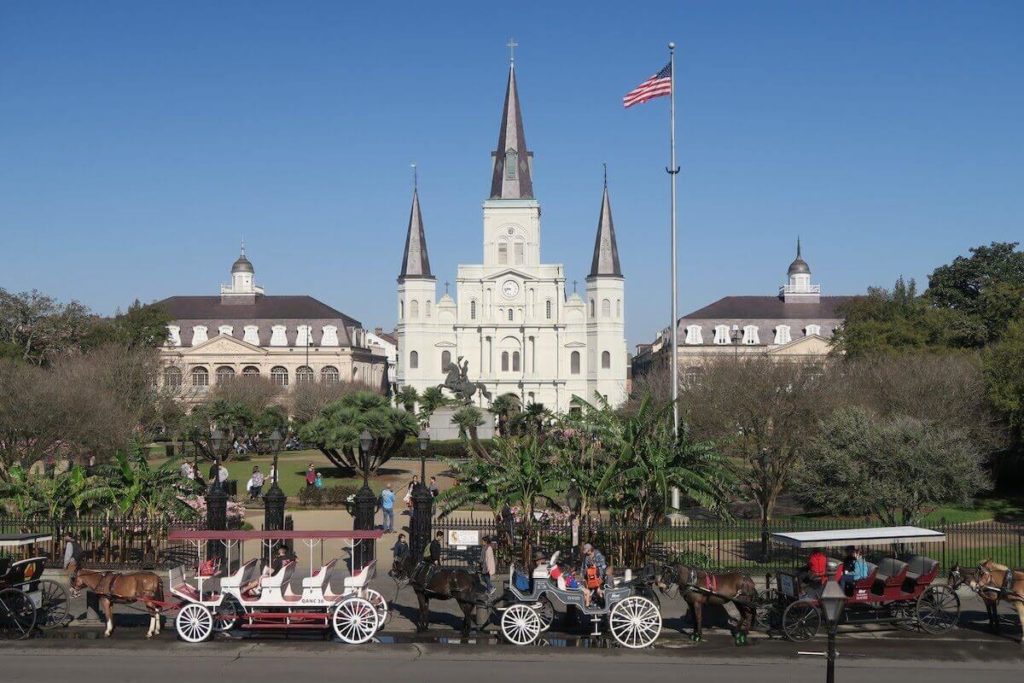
(736, 544)
(107, 541)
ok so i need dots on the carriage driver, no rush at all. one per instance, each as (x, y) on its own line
(813, 574)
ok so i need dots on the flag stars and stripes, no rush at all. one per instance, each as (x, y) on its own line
(658, 85)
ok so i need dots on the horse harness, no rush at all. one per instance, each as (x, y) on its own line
(105, 587)
(1004, 591)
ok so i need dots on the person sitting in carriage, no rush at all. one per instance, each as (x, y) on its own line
(594, 571)
(281, 556)
(814, 573)
(855, 568)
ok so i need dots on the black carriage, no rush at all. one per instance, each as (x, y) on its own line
(27, 600)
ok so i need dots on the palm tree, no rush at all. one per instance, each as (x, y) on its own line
(505, 407)
(468, 418)
(407, 398)
(431, 399)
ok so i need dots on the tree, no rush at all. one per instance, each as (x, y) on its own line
(761, 412)
(234, 420)
(135, 487)
(309, 398)
(335, 432)
(38, 329)
(431, 399)
(468, 418)
(897, 468)
(407, 398)
(1004, 375)
(256, 393)
(141, 326)
(505, 407)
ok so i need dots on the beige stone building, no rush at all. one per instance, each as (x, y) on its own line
(244, 332)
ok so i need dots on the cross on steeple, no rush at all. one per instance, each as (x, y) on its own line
(511, 45)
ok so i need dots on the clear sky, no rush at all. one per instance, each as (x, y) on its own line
(139, 141)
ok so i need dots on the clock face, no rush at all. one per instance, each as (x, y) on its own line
(509, 288)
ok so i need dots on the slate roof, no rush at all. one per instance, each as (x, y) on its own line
(415, 262)
(517, 184)
(606, 249)
(769, 308)
(265, 308)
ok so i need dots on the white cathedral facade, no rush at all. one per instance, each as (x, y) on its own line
(511, 319)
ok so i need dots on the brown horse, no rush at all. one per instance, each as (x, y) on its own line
(111, 587)
(701, 587)
(441, 583)
(993, 582)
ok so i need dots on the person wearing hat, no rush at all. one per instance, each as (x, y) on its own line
(593, 570)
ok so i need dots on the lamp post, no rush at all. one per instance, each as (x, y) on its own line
(365, 506)
(216, 499)
(572, 499)
(274, 499)
(833, 600)
(422, 503)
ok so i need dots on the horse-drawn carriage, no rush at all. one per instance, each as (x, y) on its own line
(243, 598)
(628, 606)
(27, 600)
(896, 591)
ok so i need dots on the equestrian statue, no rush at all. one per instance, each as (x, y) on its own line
(457, 381)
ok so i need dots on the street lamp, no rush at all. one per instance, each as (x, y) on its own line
(420, 525)
(275, 440)
(833, 600)
(424, 441)
(365, 441)
(217, 443)
(274, 499)
(365, 506)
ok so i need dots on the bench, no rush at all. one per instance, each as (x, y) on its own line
(889, 573)
(359, 578)
(242, 576)
(921, 571)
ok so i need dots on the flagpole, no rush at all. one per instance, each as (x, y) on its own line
(673, 171)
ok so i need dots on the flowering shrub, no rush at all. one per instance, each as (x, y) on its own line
(235, 512)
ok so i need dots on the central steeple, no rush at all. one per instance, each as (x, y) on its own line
(513, 163)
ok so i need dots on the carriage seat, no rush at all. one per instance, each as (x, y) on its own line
(921, 571)
(176, 582)
(890, 572)
(281, 578)
(246, 573)
(321, 578)
(359, 577)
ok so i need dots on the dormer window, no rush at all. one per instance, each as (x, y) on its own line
(782, 334)
(721, 334)
(813, 329)
(693, 335)
(750, 335)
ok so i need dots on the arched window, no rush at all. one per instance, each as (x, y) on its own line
(813, 329)
(574, 362)
(279, 376)
(472, 309)
(750, 335)
(427, 304)
(782, 334)
(304, 375)
(519, 251)
(225, 373)
(504, 361)
(200, 377)
(172, 377)
(606, 360)
(721, 334)
(693, 335)
(593, 311)
(414, 360)
(330, 375)
(511, 315)
(414, 309)
(618, 308)
(502, 252)
(250, 371)
(547, 309)
(446, 359)
(606, 308)
(515, 361)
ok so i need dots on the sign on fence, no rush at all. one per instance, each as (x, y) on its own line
(462, 538)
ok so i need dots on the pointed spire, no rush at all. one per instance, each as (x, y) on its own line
(798, 246)
(606, 250)
(513, 173)
(415, 262)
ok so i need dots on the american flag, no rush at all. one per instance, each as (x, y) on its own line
(658, 85)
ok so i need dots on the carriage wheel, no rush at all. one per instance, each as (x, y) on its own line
(546, 612)
(800, 621)
(767, 615)
(355, 620)
(381, 605)
(194, 623)
(54, 605)
(227, 614)
(635, 622)
(520, 624)
(938, 609)
(17, 614)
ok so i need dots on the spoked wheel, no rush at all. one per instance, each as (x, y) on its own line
(379, 604)
(54, 605)
(17, 614)
(194, 623)
(767, 615)
(227, 614)
(938, 609)
(800, 621)
(546, 612)
(520, 624)
(355, 620)
(635, 622)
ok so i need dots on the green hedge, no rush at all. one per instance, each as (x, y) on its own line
(437, 449)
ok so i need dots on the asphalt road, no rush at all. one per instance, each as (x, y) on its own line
(134, 661)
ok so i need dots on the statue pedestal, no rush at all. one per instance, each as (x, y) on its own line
(443, 429)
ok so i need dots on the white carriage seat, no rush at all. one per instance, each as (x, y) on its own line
(280, 578)
(241, 577)
(181, 588)
(361, 576)
(321, 578)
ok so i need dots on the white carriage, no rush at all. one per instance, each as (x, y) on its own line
(248, 599)
(629, 609)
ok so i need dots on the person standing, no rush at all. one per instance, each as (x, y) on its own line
(432, 553)
(488, 565)
(72, 558)
(433, 488)
(401, 549)
(255, 483)
(310, 476)
(319, 482)
(387, 506)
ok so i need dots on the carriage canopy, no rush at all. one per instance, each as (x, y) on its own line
(837, 538)
(15, 540)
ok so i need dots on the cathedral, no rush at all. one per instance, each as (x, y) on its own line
(511, 320)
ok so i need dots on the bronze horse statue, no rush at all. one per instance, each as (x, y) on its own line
(440, 583)
(111, 587)
(993, 582)
(457, 381)
(701, 587)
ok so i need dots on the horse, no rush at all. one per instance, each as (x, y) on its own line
(701, 587)
(993, 582)
(441, 583)
(111, 587)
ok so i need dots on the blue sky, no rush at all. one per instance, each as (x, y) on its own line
(140, 140)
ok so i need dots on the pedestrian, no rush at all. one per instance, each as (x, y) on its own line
(407, 499)
(387, 506)
(310, 476)
(488, 565)
(222, 475)
(432, 553)
(72, 558)
(255, 485)
(273, 474)
(319, 482)
(434, 490)
(401, 549)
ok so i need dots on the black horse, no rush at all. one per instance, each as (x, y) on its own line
(441, 583)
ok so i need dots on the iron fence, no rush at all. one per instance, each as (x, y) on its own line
(734, 544)
(108, 541)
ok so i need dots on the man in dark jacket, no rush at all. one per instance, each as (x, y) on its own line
(432, 553)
